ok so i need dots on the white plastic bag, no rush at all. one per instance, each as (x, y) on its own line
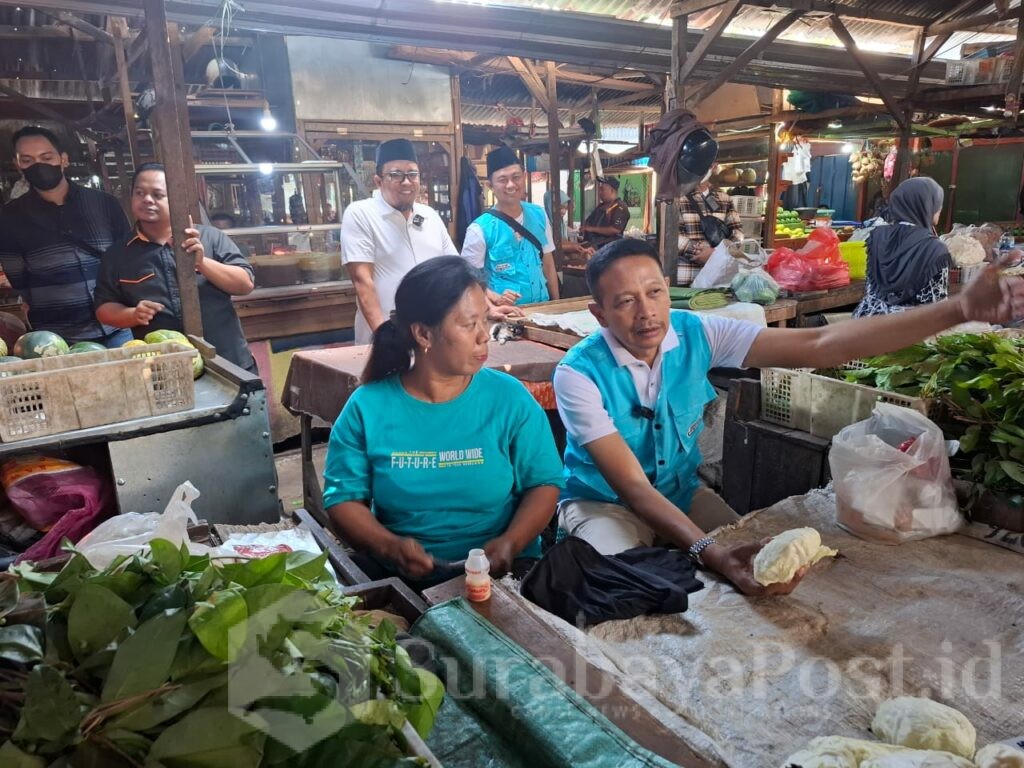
(892, 478)
(130, 533)
(719, 270)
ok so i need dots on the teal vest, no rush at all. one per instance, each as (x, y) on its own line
(512, 262)
(666, 445)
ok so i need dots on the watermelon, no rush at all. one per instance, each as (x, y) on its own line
(86, 346)
(197, 366)
(133, 343)
(36, 344)
(158, 337)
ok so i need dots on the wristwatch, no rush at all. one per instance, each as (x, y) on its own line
(698, 547)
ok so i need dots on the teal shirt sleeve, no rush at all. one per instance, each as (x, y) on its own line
(532, 450)
(347, 474)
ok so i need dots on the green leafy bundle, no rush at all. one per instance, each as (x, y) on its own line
(170, 659)
(979, 378)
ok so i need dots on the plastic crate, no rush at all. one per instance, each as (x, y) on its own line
(822, 405)
(746, 205)
(51, 395)
(752, 226)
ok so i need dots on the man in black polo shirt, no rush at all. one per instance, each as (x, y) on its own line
(52, 239)
(138, 286)
(608, 220)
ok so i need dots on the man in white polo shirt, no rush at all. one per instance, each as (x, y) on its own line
(632, 399)
(384, 237)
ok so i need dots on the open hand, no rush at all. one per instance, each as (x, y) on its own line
(991, 297)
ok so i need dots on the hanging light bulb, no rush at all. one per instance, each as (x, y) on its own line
(268, 122)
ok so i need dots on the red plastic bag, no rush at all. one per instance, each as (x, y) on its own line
(817, 266)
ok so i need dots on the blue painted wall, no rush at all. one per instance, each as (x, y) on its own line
(832, 174)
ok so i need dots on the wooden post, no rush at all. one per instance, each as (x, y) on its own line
(174, 144)
(953, 174)
(125, 87)
(1016, 75)
(771, 209)
(677, 93)
(906, 132)
(553, 152)
(457, 149)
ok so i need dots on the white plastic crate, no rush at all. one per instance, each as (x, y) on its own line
(822, 405)
(752, 226)
(51, 395)
(746, 205)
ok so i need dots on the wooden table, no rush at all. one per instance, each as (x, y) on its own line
(522, 627)
(816, 302)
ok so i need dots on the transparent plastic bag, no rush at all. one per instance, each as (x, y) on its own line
(130, 533)
(755, 286)
(892, 478)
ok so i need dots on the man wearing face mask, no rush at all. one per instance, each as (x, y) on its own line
(384, 237)
(52, 240)
(707, 216)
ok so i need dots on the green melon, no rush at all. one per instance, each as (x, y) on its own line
(86, 346)
(3, 348)
(197, 366)
(158, 337)
(40, 344)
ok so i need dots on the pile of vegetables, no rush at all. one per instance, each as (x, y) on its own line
(170, 659)
(697, 299)
(755, 285)
(979, 379)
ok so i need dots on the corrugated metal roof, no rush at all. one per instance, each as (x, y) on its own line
(871, 35)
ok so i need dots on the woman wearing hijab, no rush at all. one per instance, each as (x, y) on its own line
(907, 263)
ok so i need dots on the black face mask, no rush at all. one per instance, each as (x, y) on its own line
(44, 176)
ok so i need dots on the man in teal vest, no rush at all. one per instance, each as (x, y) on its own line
(632, 398)
(512, 241)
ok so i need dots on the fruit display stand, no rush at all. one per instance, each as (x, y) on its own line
(221, 443)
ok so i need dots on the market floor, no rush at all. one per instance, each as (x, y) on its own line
(289, 474)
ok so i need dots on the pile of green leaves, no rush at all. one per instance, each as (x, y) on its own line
(170, 659)
(979, 378)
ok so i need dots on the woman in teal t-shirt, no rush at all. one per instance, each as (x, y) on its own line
(436, 455)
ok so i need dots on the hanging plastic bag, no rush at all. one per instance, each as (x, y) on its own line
(892, 478)
(130, 533)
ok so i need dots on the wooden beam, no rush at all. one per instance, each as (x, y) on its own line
(35, 106)
(1013, 86)
(531, 81)
(771, 210)
(553, 152)
(174, 143)
(70, 20)
(675, 88)
(120, 28)
(499, 65)
(686, 7)
(903, 150)
(880, 87)
(981, 22)
(933, 49)
(711, 34)
(457, 149)
(196, 41)
(751, 53)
